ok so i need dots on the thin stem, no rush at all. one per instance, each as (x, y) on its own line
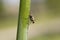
(23, 19)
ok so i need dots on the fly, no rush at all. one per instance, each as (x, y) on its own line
(31, 18)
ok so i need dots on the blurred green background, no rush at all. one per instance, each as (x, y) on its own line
(46, 15)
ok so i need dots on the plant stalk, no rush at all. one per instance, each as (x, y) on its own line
(23, 20)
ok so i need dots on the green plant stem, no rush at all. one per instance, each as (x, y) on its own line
(23, 19)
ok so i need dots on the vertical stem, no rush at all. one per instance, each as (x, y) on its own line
(23, 19)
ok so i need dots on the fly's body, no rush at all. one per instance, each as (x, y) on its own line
(31, 18)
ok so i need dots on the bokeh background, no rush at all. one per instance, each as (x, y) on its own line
(46, 14)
